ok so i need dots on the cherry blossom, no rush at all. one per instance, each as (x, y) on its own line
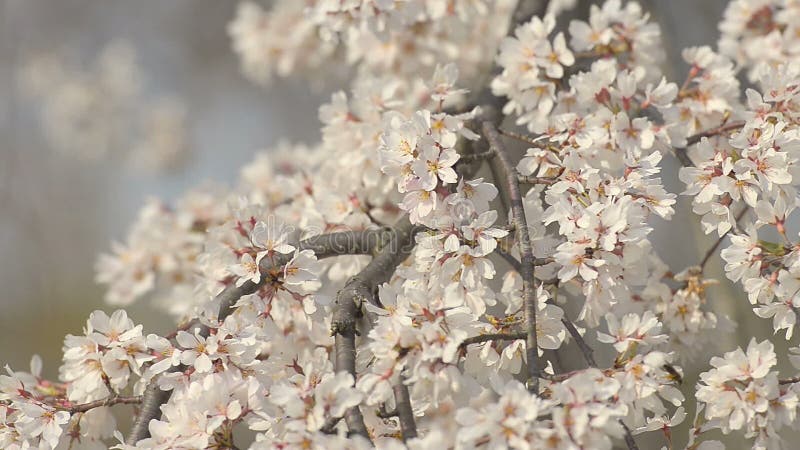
(479, 205)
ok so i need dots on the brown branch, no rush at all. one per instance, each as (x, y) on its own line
(358, 290)
(682, 152)
(402, 401)
(559, 376)
(152, 399)
(323, 246)
(683, 157)
(586, 350)
(509, 258)
(792, 380)
(110, 401)
(536, 180)
(530, 140)
(502, 165)
(481, 338)
(471, 157)
(724, 128)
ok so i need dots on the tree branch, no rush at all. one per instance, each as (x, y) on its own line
(629, 441)
(152, 399)
(509, 258)
(502, 165)
(324, 246)
(714, 247)
(351, 297)
(472, 157)
(481, 338)
(405, 413)
(588, 352)
(537, 180)
(110, 401)
(724, 128)
(786, 381)
(682, 152)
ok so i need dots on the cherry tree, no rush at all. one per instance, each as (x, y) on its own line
(481, 201)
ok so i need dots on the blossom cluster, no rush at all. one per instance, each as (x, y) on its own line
(743, 392)
(25, 418)
(585, 409)
(597, 154)
(97, 369)
(743, 182)
(759, 33)
(378, 37)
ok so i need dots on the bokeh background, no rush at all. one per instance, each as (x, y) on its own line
(58, 212)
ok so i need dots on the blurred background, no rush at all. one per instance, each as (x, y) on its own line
(59, 209)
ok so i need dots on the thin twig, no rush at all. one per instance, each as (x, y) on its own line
(588, 353)
(501, 164)
(537, 180)
(468, 158)
(183, 327)
(714, 247)
(110, 401)
(509, 258)
(514, 263)
(724, 128)
(481, 338)
(682, 152)
(530, 140)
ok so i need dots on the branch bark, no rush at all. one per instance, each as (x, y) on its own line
(110, 401)
(502, 165)
(588, 353)
(350, 299)
(323, 246)
(537, 180)
(682, 152)
(405, 413)
(481, 338)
